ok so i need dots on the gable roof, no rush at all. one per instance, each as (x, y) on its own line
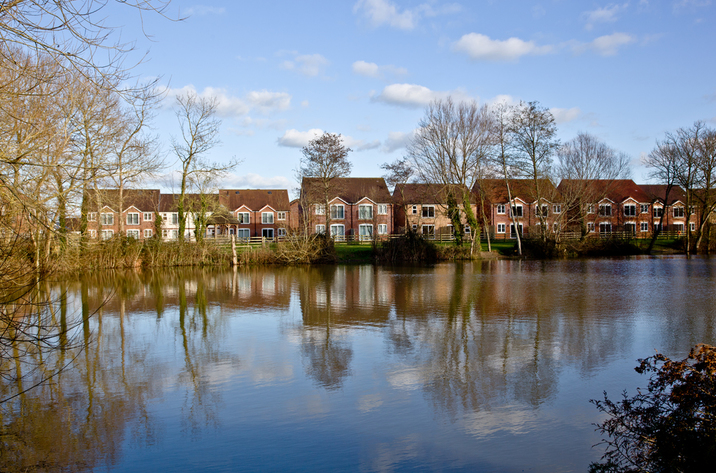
(421, 193)
(349, 189)
(254, 199)
(146, 200)
(523, 189)
(658, 191)
(616, 190)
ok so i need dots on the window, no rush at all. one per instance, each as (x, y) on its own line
(501, 209)
(365, 212)
(544, 212)
(175, 234)
(590, 227)
(415, 209)
(231, 231)
(517, 210)
(415, 227)
(244, 233)
(92, 217)
(107, 234)
(132, 219)
(321, 229)
(644, 208)
(281, 232)
(429, 230)
(338, 230)
(320, 209)
(175, 218)
(382, 229)
(133, 233)
(644, 226)
(280, 216)
(630, 210)
(148, 233)
(267, 232)
(92, 233)
(678, 212)
(605, 227)
(658, 212)
(630, 227)
(557, 208)
(382, 210)
(243, 217)
(428, 211)
(692, 226)
(468, 230)
(605, 210)
(165, 234)
(338, 212)
(107, 219)
(679, 227)
(500, 228)
(590, 208)
(267, 219)
(512, 230)
(365, 231)
(657, 227)
(147, 217)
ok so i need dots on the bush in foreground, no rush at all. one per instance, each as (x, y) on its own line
(671, 426)
(408, 248)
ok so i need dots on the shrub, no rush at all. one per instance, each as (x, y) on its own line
(671, 426)
(408, 248)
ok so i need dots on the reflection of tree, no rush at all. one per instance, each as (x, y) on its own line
(328, 360)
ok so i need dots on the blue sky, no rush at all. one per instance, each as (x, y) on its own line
(626, 72)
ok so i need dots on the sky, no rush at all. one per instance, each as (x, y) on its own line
(285, 71)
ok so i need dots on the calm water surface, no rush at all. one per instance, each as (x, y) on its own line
(482, 367)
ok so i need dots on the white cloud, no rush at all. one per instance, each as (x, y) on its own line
(309, 65)
(298, 139)
(481, 47)
(370, 69)
(503, 99)
(386, 13)
(606, 45)
(564, 115)
(201, 10)
(397, 140)
(255, 181)
(360, 145)
(608, 14)
(228, 105)
(415, 96)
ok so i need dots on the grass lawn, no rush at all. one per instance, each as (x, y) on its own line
(354, 253)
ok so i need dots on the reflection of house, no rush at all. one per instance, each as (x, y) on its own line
(255, 212)
(360, 207)
(423, 208)
(676, 211)
(137, 214)
(528, 213)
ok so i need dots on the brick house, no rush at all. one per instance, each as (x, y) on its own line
(676, 210)
(423, 208)
(133, 214)
(360, 207)
(528, 212)
(255, 213)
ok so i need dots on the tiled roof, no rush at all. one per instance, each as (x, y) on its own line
(350, 189)
(658, 191)
(169, 202)
(146, 200)
(523, 189)
(616, 190)
(254, 199)
(421, 193)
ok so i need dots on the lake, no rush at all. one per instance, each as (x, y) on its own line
(483, 366)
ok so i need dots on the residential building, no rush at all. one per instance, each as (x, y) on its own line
(423, 208)
(674, 212)
(255, 213)
(131, 212)
(358, 207)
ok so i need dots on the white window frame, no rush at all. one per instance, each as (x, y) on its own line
(321, 229)
(133, 233)
(243, 233)
(427, 209)
(415, 227)
(430, 230)
(415, 210)
(631, 224)
(692, 226)
(590, 227)
(107, 218)
(92, 233)
(501, 228)
(658, 211)
(544, 209)
(382, 209)
(500, 209)
(338, 230)
(268, 232)
(267, 218)
(92, 216)
(364, 209)
(644, 227)
(514, 211)
(244, 218)
(682, 212)
(382, 229)
(148, 233)
(644, 208)
(338, 212)
(365, 231)
(607, 226)
(174, 234)
(319, 209)
(107, 234)
(630, 210)
(557, 208)
(520, 227)
(605, 210)
(147, 217)
(590, 208)
(679, 227)
(281, 216)
(175, 218)
(132, 218)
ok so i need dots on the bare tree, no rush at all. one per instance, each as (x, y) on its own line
(582, 161)
(398, 173)
(451, 143)
(533, 139)
(199, 134)
(324, 160)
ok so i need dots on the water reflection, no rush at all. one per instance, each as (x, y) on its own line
(500, 352)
